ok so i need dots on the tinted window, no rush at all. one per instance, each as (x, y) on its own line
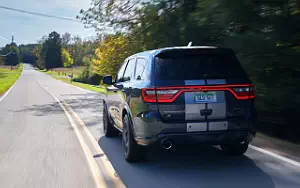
(198, 66)
(121, 73)
(129, 70)
(140, 69)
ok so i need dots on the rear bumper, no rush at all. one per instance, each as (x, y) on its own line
(212, 138)
(150, 132)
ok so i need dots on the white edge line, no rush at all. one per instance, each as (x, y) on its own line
(97, 176)
(6, 93)
(105, 161)
(275, 155)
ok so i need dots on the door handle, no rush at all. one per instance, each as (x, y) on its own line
(119, 86)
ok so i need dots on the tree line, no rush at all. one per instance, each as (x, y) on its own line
(54, 50)
(10, 55)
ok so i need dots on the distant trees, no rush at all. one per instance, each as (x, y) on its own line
(66, 39)
(52, 51)
(13, 54)
(26, 53)
(37, 53)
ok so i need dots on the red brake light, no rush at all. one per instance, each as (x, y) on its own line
(169, 94)
(149, 95)
(245, 92)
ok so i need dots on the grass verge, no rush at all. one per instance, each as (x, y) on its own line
(64, 71)
(8, 77)
(99, 89)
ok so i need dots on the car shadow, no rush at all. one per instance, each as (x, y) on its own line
(185, 166)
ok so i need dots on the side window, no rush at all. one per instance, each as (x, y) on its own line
(120, 74)
(140, 73)
(128, 75)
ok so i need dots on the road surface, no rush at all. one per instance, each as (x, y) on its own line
(44, 143)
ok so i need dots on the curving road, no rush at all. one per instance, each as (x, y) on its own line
(39, 147)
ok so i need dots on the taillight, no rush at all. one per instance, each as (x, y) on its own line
(244, 92)
(149, 95)
(169, 94)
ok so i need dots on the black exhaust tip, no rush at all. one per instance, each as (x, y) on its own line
(166, 144)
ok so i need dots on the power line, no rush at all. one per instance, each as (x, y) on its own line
(39, 14)
(6, 54)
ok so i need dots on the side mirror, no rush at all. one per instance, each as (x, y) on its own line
(107, 80)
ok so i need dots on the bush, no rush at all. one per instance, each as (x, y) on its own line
(87, 76)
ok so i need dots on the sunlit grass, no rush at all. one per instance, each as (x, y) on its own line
(96, 88)
(64, 71)
(8, 77)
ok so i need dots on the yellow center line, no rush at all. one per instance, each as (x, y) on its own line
(110, 171)
(96, 173)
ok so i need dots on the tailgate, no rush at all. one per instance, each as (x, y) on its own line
(199, 86)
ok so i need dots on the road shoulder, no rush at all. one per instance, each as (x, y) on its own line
(277, 146)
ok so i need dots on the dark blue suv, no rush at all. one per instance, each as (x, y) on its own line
(179, 95)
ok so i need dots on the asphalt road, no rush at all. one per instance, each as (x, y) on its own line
(40, 148)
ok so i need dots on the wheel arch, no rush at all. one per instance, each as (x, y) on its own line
(125, 111)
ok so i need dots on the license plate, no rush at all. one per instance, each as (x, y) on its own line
(204, 97)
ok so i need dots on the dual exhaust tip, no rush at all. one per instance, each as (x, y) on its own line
(166, 144)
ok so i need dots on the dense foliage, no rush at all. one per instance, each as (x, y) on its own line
(52, 51)
(11, 53)
(111, 54)
(265, 35)
(66, 58)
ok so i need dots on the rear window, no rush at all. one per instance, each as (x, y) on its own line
(195, 66)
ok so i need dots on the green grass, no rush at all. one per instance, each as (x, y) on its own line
(64, 71)
(8, 77)
(61, 73)
(99, 89)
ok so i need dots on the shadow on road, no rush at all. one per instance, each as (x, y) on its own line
(79, 102)
(192, 166)
(42, 109)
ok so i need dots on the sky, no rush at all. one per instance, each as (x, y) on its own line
(28, 29)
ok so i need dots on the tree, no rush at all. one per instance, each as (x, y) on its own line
(12, 54)
(65, 40)
(66, 58)
(26, 53)
(77, 50)
(37, 52)
(111, 53)
(52, 50)
(111, 15)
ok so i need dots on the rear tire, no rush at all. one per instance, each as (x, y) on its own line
(133, 151)
(108, 128)
(235, 148)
